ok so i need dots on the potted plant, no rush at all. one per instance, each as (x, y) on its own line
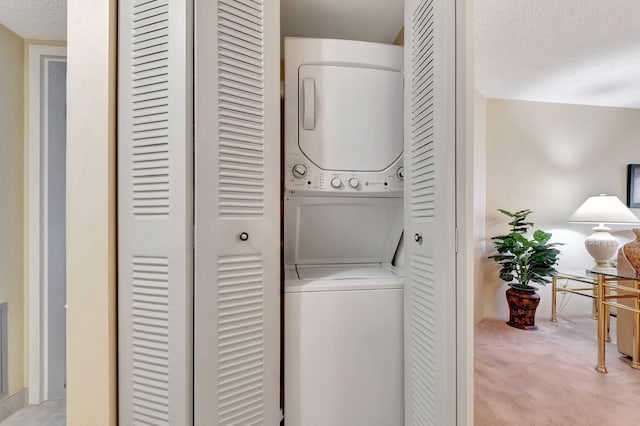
(524, 261)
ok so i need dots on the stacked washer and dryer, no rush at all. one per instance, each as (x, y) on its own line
(343, 220)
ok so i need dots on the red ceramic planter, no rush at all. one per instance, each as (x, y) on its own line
(522, 308)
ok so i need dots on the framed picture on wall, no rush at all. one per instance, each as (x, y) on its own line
(633, 186)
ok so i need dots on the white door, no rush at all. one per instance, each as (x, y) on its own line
(430, 275)
(47, 221)
(54, 214)
(155, 217)
(237, 213)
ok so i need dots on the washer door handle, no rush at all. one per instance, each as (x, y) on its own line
(417, 238)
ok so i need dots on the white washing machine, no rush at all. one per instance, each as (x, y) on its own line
(343, 346)
(343, 322)
(343, 301)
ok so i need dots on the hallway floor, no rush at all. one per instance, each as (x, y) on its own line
(544, 377)
(49, 413)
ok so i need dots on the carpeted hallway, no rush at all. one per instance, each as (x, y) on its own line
(547, 377)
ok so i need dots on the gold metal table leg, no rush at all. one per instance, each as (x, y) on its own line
(594, 303)
(607, 316)
(601, 368)
(553, 299)
(635, 363)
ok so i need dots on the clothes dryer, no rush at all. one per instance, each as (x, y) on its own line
(343, 118)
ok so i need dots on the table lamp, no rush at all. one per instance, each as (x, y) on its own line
(603, 209)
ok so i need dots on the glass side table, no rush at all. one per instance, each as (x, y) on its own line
(575, 275)
(583, 276)
(611, 279)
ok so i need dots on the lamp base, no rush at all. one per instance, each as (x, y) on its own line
(601, 245)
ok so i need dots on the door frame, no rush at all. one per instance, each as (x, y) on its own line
(37, 225)
(465, 230)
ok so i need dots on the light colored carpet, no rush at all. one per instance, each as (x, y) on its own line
(547, 377)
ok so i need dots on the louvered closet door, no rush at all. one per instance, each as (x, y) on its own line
(237, 284)
(155, 274)
(430, 328)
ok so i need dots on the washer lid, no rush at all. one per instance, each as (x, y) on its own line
(342, 278)
(346, 272)
(340, 230)
(350, 118)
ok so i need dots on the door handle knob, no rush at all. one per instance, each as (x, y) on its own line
(243, 236)
(417, 238)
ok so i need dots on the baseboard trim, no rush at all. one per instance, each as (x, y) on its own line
(13, 403)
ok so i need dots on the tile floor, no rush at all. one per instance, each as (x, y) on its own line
(49, 413)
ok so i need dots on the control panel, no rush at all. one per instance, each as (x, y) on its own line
(302, 176)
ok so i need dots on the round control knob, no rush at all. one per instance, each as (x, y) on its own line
(400, 172)
(354, 183)
(336, 182)
(299, 170)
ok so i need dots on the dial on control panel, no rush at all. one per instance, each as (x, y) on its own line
(336, 182)
(400, 172)
(354, 183)
(299, 170)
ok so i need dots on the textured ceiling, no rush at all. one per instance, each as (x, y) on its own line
(35, 19)
(568, 51)
(365, 20)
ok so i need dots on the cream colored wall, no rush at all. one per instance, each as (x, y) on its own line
(479, 200)
(31, 41)
(11, 198)
(550, 158)
(91, 231)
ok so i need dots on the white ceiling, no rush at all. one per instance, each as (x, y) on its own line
(567, 51)
(35, 19)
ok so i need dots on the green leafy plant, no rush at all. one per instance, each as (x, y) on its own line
(522, 259)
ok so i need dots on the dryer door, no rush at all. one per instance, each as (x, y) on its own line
(350, 118)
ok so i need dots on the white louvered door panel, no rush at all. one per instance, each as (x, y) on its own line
(430, 328)
(237, 283)
(155, 273)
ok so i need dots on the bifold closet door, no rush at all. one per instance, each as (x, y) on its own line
(237, 212)
(155, 186)
(430, 280)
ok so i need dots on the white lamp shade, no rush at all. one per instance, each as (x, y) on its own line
(604, 209)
